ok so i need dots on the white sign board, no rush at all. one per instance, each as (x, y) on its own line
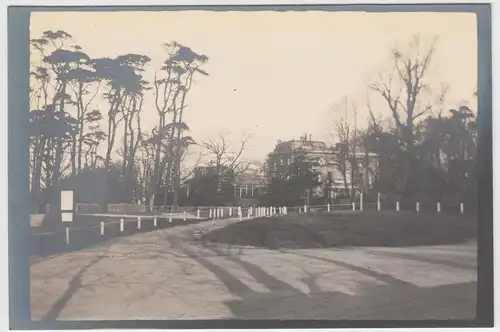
(67, 205)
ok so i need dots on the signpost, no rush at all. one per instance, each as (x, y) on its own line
(67, 205)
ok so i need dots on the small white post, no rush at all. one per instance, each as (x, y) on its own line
(155, 221)
(240, 211)
(397, 206)
(184, 216)
(461, 208)
(67, 235)
(378, 201)
(209, 213)
(170, 217)
(138, 223)
(285, 210)
(248, 214)
(361, 202)
(280, 212)
(198, 214)
(222, 213)
(230, 212)
(305, 208)
(438, 207)
(102, 228)
(241, 216)
(121, 225)
(418, 206)
(328, 207)
(353, 206)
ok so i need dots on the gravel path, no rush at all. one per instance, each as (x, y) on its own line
(172, 274)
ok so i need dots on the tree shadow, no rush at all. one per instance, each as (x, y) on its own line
(73, 286)
(395, 299)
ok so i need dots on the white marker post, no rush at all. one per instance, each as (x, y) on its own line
(305, 208)
(417, 207)
(67, 235)
(170, 217)
(328, 207)
(438, 207)
(461, 208)
(230, 212)
(209, 213)
(121, 225)
(353, 206)
(139, 223)
(378, 201)
(102, 228)
(248, 214)
(240, 215)
(155, 221)
(397, 206)
(222, 213)
(197, 214)
(184, 216)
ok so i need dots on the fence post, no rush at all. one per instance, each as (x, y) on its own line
(184, 216)
(198, 214)
(121, 225)
(438, 207)
(397, 206)
(285, 209)
(138, 223)
(170, 217)
(328, 207)
(417, 207)
(67, 235)
(155, 221)
(361, 202)
(305, 208)
(102, 228)
(230, 212)
(378, 201)
(461, 208)
(353, 206)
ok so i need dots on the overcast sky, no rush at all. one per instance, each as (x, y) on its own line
(276, 74)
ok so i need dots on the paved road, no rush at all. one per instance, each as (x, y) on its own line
(169, 274)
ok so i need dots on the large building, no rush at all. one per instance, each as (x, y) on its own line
(326, 163)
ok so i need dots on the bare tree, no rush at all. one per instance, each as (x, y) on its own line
(345, 154)
(403, 90)
(226, 161)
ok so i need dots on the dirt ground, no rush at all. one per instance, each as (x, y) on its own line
(173, 274)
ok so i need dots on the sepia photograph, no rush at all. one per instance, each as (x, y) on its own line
(254, 165)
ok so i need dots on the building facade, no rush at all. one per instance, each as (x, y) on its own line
(325, 162)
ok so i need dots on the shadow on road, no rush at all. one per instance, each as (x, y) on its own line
(73, 286)
(394, 300)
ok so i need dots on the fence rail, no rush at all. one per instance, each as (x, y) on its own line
(74, 236)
